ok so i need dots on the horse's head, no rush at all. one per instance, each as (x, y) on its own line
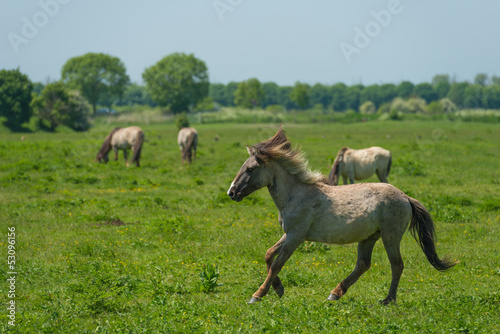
(106, 147)
(102, 157)
(252, 176)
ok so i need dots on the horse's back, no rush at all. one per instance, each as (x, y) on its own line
(366, 162)
(352, 213)
(184, 134)
(125, 138)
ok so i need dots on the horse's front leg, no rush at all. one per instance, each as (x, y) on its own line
(289, 244)
(116, 152)
(270, 255)
(125, 156)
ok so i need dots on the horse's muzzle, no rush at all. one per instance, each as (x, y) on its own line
(235, 196)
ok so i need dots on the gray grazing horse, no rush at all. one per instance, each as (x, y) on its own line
(312, 210)
(123, 139)
(360, 164)
(187, 139)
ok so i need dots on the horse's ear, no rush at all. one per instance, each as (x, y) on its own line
(249, 150)
(253, 151)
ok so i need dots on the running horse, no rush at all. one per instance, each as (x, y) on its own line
(187, 139)
(123, 139)
(312, 210)
(360, 164)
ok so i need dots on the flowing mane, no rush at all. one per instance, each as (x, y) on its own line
(279, 149)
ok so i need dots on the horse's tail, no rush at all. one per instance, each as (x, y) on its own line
(389, 165)
(106, 145)
(422, 229)
(191, 142)
(333, 178)
(138, 147)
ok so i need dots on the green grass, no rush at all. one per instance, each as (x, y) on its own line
(102, 248)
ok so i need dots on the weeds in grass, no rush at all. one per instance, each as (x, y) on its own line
(209, 277)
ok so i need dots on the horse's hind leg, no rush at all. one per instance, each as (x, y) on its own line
(382, 176)
(365, 249)
(270, 255)
(392, 248)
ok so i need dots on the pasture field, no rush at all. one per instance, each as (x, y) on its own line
(101, 248)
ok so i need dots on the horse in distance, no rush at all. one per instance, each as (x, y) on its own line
(360, 164)
(123, 139)
(187, 139)
(312, 210)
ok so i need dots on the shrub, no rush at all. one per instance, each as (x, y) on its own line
(368, 108)
(209, 276)
(181, 121)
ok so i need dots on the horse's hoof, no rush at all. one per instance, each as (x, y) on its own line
(333, 297)
(254, 300)
(387, 301)
(280, 290)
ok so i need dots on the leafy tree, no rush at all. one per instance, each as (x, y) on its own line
(300, 95)
(352, 96)
(495, 80)
(473, 96)
(207, 104)
(15, 97)
(371, 93)
(271, 94)
(338, 97)
(440, 78)
(57, 106)
(387, 93)
(442, 89)
(249, 94)
(217, 92)
(230, 90)
(181, 121)
(37, 88)
(96, 75)
(405, 89)
(441, 84)
(284, 97)
(481, 79)
(456, 93)
(425, 91)
(320, 94)
(178, 81)
(491, 97)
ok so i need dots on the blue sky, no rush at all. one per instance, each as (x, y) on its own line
(283, 41)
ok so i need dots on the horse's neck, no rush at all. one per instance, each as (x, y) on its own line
(284, 185)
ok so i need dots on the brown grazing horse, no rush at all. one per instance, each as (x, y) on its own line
(187, 139)
(123, 139)
(360, 164)
(312, 210)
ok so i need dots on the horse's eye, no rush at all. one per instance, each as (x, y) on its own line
(249, 169)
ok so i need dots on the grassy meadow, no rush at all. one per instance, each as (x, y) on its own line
(101, 248)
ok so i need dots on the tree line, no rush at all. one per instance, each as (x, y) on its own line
(483, 93)
(179, 83)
